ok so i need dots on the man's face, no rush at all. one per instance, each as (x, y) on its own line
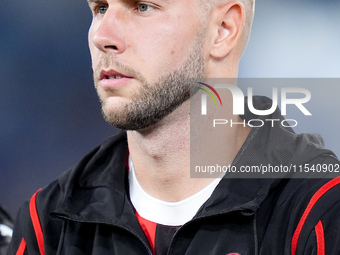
(143, 56)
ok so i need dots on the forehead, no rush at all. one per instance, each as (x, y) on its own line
(124, 1)
(199, 3)
(96, 1)
(176, 10)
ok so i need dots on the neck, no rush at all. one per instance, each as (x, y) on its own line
(161, 155)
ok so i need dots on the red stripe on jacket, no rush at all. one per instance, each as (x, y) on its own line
(36, 223)
(322, 191)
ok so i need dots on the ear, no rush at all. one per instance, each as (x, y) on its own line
(228, 22)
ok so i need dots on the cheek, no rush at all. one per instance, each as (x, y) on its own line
(94, 52)
(166, 46)
(90, 35)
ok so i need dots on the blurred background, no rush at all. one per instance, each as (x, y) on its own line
(50, 114)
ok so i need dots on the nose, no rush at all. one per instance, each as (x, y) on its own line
(106, 33)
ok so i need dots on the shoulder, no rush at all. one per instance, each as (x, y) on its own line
(316, 227)
(310, 209)
(35, 221)
(305, 208)
(83, 175)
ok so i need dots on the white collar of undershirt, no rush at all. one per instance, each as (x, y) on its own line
(162, 212)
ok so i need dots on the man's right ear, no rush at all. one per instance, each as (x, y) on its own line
(228, 22)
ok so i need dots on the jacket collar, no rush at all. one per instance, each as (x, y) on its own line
(97, 189)
(266, 146)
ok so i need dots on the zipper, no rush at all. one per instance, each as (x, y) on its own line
(196, 220)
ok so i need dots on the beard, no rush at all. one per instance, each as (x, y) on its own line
(154, 101)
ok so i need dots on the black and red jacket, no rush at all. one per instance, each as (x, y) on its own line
(88, 211)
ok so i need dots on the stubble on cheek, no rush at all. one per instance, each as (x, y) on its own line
(114, 113)
(113, 107)
(148, 103)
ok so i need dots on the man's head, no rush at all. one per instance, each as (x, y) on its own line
(144, 54)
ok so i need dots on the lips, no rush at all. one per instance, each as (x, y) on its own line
(111, 78)
(111, 74)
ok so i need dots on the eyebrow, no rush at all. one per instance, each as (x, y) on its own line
(96, 1)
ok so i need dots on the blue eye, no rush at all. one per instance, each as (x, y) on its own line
(143, 7)
(102, 9)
